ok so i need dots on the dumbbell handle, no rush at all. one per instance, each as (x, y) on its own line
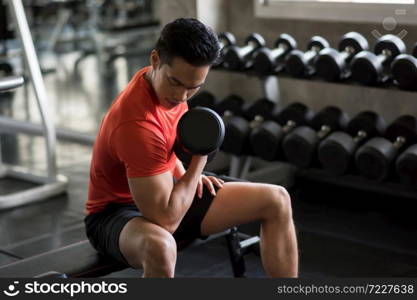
(228, 114)
(324, 131)
(385, 56)
(349, 50)
(280, 50)
(290, 125)
(399, 142)
(315, 48)
(360, 136)
(257, 121)
(310, 55)
(348, 53)
(248, 48)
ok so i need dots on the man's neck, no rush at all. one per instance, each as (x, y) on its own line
(148, 76)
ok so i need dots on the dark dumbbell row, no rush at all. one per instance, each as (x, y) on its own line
(328, 139)
(351, 62)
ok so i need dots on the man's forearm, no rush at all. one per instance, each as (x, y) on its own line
(182, 194)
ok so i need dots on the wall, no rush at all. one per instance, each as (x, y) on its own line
(169, 10)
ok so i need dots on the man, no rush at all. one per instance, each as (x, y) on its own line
(142, 201)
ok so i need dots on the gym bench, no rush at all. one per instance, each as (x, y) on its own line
(82, 260)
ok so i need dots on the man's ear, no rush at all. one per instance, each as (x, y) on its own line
(155, 60)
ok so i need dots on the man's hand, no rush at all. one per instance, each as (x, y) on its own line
(208, 181)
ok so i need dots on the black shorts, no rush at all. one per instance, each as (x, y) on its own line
(103, 228)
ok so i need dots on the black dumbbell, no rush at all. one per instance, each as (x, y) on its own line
(300, 64)
(299, 145)
(406, 166)
(374, 159)
(374, 68)
(332, 65)
(238, 128)
(266, 139)
(268, 61)
(337, 150)
(404, 70)
(200, 131)
(232, 105)
(226, 39)
(237, 58)
(205, 99)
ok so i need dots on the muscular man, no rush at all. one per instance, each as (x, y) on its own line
(142, 202)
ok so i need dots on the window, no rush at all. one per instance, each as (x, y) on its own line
(364, 11)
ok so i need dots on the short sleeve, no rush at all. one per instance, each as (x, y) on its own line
(142, 148)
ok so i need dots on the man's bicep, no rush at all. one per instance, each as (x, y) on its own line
(151, 195)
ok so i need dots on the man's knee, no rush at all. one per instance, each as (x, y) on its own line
(160, 254)
(279, 202)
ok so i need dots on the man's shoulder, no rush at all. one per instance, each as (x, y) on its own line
(143, 128)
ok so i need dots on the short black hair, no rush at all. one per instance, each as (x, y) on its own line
(190, 40)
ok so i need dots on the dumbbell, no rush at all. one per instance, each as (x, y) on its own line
(238, 128)
(200, 131)
(237, 58)
(205, 99)
(406, 166)
(266, 139)
(374, 159)
(332, 65)
(232, 105)
(226, 39)
(299, 145)
(371, 69)
(267, 61)
(404, 70)
(300, 64)
(337, 150)
(231, 110)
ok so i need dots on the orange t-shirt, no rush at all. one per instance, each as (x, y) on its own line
(135, 139)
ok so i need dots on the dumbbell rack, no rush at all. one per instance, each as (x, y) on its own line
(270, 87)
(270, 83)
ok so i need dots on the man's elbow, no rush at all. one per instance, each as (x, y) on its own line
(171, 229)
(171, 226)
(167, 223)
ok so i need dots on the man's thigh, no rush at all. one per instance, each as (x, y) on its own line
(120, 232)
(238, 203)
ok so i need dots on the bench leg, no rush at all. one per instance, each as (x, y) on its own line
(236, 256)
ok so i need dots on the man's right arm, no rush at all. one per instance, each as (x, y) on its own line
(162, 202)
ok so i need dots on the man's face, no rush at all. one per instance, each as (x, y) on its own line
(176, 82)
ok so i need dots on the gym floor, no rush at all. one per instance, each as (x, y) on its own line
(335, 240)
